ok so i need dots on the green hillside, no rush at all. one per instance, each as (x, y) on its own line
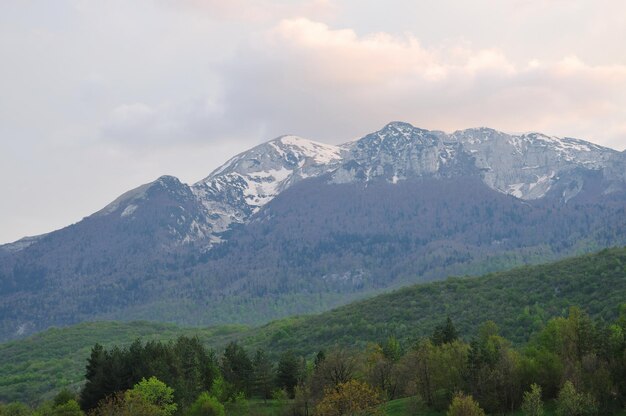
(519, 301)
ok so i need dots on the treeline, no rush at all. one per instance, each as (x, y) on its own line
(574, 361)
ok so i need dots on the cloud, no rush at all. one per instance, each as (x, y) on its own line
(256, 11)
(303, 76)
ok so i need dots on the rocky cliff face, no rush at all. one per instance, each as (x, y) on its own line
(526, 166)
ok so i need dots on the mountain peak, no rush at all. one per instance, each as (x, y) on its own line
(399, 129)
(398, 125)
(302, 149)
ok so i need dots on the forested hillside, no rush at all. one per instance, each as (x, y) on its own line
(574, 364)
(520, 302)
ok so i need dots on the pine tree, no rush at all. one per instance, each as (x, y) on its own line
(287, 372)
(263, 374)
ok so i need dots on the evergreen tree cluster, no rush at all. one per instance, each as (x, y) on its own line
(185, 365)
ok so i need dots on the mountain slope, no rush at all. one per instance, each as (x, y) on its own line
(519, 301)
(294, 226)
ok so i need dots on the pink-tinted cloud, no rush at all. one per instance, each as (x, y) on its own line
(307, 77)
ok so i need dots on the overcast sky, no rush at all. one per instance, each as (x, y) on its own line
(98, 97)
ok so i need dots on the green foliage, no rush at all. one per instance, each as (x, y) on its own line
(155, 392)
(63, 397)
(438, 372)
(219, 389)
(121, 404)
(532, 405)
(350, 398)
(206, 405)
(572, 403)
(445, 333)
(14, 409)
(238, 406)
(490, 368)
(237, 370)
(36, 368)
(519, 302)
(185, 365)
(391, 349)
(463, 405)
(288, 373)
(69, 408)
(263, 374)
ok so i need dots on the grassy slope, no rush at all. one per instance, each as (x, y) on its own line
(518, 301)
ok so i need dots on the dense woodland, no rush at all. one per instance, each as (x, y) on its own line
(574, 364)
(520, 302)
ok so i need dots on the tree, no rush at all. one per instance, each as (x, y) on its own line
(63, 397)
(391, 349)
(154, 392)
(69, 408)
(93, 391)
(382, 370)
(206, 405)
(237, 369)
(14, 409)
(445, 333)
(350, 398)
(572, 403)
(121, 405)
(287, 372)
(494, 371)
(532, 405)
(319, 358)
(337, 367)
(463, 405)
(263, 374)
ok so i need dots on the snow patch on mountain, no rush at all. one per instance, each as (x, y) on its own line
(128, 211)
(242, 186)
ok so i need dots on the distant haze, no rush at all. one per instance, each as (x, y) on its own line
(100, 97)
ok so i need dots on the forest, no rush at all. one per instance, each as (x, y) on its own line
(575, 365)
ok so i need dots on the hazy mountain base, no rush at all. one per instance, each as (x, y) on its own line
(519, 301)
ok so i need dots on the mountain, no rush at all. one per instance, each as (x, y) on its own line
(244, 184)
(520, 301)
(294, 226)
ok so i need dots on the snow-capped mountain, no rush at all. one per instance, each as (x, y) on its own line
(296, 226)
(525, 166)
(239, 188)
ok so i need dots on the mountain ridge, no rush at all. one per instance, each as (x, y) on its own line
(294, 226)
(238, 208)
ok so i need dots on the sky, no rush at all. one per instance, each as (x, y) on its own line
(98, 97)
